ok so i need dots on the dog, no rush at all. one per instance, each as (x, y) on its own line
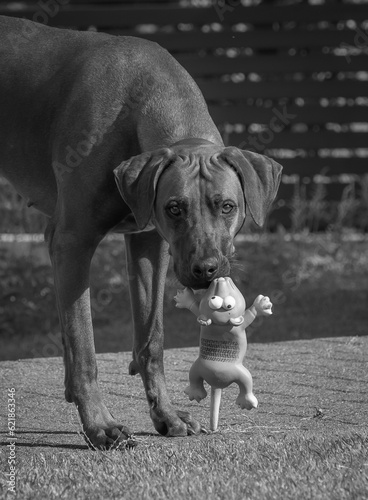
(104, 133)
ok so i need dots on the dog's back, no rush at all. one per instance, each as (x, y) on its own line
(57, 84)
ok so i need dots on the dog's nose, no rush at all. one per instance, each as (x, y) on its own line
(206, 269)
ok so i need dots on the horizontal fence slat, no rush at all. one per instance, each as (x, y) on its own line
(239, 113)
(110, 20)
(308, 167)
(212, 65)
(270, 42)
(287, 89)
(257, 39)
(289, 140)
(333, 192)
(123, 15)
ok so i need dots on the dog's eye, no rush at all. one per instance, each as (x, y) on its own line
(215, 302)
(229, 302)
(174, 210)
(227, 208)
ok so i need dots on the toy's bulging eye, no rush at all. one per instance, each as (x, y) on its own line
(215, 302)
(229, 302)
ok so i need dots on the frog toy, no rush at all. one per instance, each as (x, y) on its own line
(222, 314)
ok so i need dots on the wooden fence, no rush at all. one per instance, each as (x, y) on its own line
(288, 80)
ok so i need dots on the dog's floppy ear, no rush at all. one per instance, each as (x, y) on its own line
(260, 177)
(137, 178)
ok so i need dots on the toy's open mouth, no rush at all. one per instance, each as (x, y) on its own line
(224, 319)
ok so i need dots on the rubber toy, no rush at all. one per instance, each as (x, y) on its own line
(222, 314)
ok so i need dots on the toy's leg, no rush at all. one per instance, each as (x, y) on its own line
(246, 398)
(195, 389)
(215, 407)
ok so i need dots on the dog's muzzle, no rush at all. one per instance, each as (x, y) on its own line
(199, 273)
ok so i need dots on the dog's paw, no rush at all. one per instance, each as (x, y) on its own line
(100, 429)
(176, 423)
(113, 437)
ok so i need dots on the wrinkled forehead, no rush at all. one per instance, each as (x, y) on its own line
(191, 171)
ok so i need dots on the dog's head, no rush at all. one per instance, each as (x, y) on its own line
(196, 193)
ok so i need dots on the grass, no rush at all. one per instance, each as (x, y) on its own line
(311, 206)
(255, 464)
(318, 285)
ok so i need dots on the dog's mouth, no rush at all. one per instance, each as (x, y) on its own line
(195, 284)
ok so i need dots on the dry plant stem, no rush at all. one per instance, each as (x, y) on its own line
(215, 407)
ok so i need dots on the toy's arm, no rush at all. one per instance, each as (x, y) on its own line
(237, 321)
(249, 316)
(261, 306)
(185, 299)
(202, 320)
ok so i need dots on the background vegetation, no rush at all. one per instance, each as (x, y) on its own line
(318, 284)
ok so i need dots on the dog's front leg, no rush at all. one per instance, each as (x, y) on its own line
(147, 260)
(71, 249)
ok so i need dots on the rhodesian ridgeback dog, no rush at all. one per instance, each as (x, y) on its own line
(104, 133)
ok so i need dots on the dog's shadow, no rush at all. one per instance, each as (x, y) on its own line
(38, 442)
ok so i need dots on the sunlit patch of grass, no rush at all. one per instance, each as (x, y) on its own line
(222, 465)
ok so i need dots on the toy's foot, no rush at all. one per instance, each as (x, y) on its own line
(247, 401)
(196, 393)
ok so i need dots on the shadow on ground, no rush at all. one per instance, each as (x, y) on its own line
(316, 385)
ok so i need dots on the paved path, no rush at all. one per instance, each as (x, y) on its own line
(318, 385)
